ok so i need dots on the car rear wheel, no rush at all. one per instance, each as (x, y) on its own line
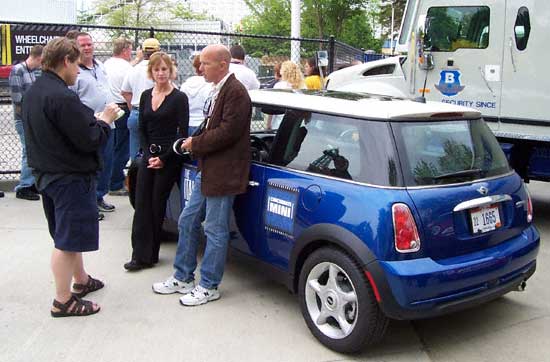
(338, 303)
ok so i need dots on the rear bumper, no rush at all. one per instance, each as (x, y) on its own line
(422, 288)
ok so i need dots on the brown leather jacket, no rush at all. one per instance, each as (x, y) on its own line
(223, 149)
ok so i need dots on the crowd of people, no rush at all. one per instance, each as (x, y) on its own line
(80, 121)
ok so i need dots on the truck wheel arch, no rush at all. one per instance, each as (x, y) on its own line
(320, 235)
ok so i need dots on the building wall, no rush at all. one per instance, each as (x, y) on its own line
(39, 11)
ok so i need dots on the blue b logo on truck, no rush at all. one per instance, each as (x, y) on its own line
(449, 83)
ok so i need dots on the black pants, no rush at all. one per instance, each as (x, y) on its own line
(152, 190)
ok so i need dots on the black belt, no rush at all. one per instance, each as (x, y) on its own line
(155, 149)
(122, 105)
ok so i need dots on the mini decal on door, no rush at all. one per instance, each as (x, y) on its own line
(280, 209)
(449, 83)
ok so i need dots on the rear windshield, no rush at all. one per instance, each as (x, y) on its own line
(438, 153)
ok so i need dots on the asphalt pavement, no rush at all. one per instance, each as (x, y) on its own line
(255, 320)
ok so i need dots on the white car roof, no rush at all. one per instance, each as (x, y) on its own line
(361, 105)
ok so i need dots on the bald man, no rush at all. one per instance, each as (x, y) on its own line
(223, 153)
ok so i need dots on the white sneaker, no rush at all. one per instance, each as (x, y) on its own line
(172, 285)
(199, 295)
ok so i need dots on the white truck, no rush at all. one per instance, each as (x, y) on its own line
(491, 55)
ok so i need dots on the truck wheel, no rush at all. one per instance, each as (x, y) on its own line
(338, 303)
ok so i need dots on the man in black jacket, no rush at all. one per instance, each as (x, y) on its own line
(63, 140)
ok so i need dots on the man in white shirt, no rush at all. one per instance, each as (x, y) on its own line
(135, 82)
(92, 87)
(244, 74)
(117, 67)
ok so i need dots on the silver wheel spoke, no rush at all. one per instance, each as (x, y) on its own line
(332, 275)
(344, 325)
(349, 297)
(323, 316)
(314, 284)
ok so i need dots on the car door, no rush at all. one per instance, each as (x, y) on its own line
(265, 215)
(466, 44)
(245, 217)
(524, 89)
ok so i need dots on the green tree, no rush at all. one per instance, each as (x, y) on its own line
(328, 17)
(382, 14)
(268, 17)
(142, 14)
(345, 19)
(357, 32)
(134, 13)
(183, 11)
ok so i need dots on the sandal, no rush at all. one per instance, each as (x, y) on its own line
(91, 286)
(74, 307)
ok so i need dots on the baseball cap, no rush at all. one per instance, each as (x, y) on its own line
(151, 44)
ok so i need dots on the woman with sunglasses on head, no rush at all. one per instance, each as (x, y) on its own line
(163, 118)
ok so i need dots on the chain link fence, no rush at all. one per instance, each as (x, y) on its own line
(263, 52)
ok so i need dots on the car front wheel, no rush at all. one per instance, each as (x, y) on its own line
(338, 303)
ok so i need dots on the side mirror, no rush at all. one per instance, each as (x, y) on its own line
(426, 62)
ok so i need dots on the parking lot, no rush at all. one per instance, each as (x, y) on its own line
(255, 320)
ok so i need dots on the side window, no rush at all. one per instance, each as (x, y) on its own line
(522, 28)
(263, 127)
(345, 148)
(455, 27)
(407, 21)
(266, 118)
(381, 70)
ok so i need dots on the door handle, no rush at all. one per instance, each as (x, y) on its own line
(253, 183)
(512, 54)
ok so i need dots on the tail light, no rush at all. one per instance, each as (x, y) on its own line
(404, 228)
(529, 208)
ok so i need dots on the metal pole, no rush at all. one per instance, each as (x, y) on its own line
(392, 20)
(331, 53)
(295, 31)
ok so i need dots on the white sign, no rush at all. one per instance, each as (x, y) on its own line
(492, 73)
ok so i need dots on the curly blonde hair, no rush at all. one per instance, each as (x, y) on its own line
(291, 73)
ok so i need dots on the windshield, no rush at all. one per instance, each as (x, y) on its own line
(406, 25)
(437, 153)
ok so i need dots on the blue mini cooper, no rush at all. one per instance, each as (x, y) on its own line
(371, 207)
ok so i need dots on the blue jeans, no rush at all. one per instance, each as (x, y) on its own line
(191, 130)
(104, 176)
(216, 228)
(133, 128)
(121, 152)
(26, 179)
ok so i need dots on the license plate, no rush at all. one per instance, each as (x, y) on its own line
(485, 219)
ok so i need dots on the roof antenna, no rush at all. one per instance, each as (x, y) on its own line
(422, 98)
